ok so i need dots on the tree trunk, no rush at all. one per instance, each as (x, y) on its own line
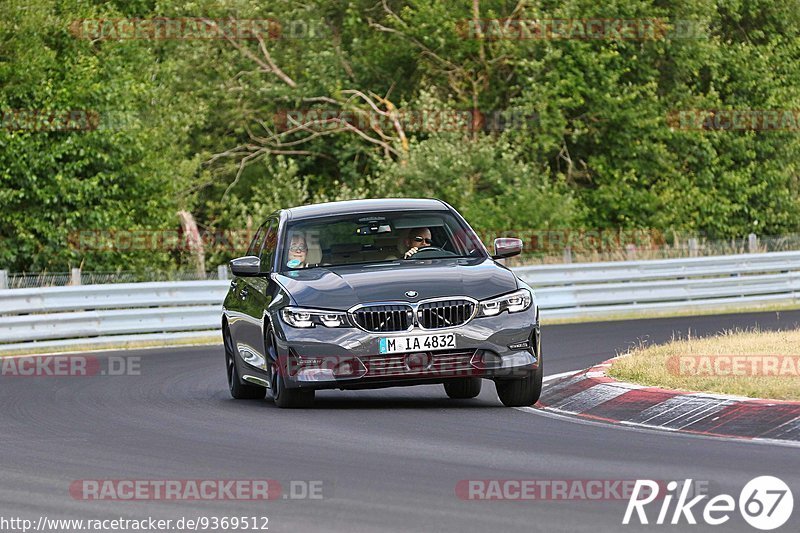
(191, 236)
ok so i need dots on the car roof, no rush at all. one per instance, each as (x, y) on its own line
(364, 206)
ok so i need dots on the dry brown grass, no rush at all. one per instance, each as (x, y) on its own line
(130, 345)
(706, 364)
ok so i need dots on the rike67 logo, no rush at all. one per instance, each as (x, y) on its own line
(765, 503)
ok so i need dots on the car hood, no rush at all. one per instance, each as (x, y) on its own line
(342, 287)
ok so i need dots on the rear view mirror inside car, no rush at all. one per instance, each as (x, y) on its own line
(372, 229)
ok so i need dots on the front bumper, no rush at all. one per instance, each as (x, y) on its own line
(505, 346)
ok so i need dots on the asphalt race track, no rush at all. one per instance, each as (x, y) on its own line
(388, 460)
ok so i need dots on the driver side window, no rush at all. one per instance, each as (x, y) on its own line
(270, 246)
(255, 244)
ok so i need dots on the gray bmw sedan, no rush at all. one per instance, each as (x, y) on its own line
(378, 293)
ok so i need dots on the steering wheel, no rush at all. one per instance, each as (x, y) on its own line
(428, 249)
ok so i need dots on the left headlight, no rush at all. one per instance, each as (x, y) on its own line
(513, 303)
(308, 318)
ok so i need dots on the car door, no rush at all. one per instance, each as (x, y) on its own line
(237, 300)
(256, 293)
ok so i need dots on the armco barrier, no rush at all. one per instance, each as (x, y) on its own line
(110, 314)
(725, 265)
(102, 314)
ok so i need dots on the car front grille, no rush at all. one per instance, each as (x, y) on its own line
(384, 318)
(428, 364)
(444, 314)
(387, 318)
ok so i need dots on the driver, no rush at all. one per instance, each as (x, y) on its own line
(297, 251)
(415, 239)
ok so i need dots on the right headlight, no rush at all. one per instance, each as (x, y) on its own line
(299, 317)
(513, 303)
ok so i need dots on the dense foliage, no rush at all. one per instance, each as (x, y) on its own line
(575, 132)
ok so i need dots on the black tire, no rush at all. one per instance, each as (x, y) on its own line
(239, 389)
(283, 397)
(527, 390)
(463, 389)
(291, 398)
(521, 392)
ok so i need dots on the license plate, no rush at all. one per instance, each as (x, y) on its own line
(417, 343)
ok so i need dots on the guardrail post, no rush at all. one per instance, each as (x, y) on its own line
(568, 254)
(752, 243)
(75, 277)
(222, 272)
(3, 279)
(693, 247)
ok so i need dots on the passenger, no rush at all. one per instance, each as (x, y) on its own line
(297, 252)
(415, 239)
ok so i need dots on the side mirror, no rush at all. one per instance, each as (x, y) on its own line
(506, 247)
(248, 265)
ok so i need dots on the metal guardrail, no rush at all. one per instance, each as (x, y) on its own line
(113, 296)
(97, 314)
(117, 322)
(727, 265)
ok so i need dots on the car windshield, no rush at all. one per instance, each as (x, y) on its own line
(377, 237)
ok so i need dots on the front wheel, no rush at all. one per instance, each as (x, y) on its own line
(521, 392)
(463, 389)
(291, 398)
(283, 397)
